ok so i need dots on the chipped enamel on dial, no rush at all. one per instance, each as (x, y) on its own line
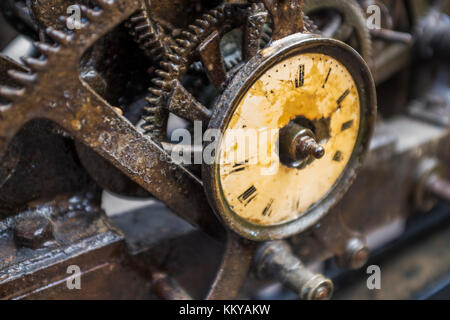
(313, 87)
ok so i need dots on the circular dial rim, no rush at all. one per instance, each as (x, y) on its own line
(230, 100)
(264, 189)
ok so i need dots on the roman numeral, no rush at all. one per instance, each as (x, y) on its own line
(248, 195)
(268, 209)
(347, 125)
(342, 97)
(300, 79)
(238, 167)
(326, 79)
(338, 156)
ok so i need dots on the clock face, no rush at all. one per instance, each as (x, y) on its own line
(315, 92)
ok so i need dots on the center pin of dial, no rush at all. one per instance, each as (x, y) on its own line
(298, 146)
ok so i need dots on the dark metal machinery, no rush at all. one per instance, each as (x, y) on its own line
(90, 109)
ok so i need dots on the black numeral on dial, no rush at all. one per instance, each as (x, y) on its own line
(268, 209)
(342, 97)
(248, 195)
(326, 79)
(300, 79)
(238, 167)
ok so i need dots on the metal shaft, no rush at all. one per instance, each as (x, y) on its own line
(276, 260)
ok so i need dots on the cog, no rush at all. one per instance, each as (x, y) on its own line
(167, 87)
(169, 75)
(150, 36)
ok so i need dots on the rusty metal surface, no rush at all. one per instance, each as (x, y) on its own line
(75, 228)
(88, 118)
(287, 17)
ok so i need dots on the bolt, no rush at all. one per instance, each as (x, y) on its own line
(32, 232)
(356, 254)
(276, 260)
(298, 146)
(322, 293)
(307, 146)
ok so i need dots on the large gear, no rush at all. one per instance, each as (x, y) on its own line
(85, 114)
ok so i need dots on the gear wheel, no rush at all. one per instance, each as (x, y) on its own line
(167, 83)
(50, 88)
(150, 36)
(168, 94)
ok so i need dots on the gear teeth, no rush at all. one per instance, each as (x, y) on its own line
(196, 29)
(145, 33)
(90, 14)
(265, 37)
(156, 92)
(153, 101)
(163, 74)
(58, 36)
(178, 50)
(157, 54)
(191, 37)
(10, 93)
(34, 64)
(144, 36)
(161, 83)
(210, 19)
(214, 13)
(202, 23)
(171, 67)
(141, 27)
(184, 43)
(45, 48)
(174, 58)
(151, 109)
(22, 77)
(139, 18)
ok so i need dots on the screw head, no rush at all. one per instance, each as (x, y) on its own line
(321, 293)
(356, 254)
(321, 288)
(32, 232)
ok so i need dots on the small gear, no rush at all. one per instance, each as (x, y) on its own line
(171, 72)
(150, 36)
(167, 87)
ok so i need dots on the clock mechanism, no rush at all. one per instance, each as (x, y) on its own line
(280, 99)
(296, 122)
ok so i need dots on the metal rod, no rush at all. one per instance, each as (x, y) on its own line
(276, 260)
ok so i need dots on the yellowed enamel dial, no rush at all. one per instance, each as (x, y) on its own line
(315, 87)
(292, 138)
